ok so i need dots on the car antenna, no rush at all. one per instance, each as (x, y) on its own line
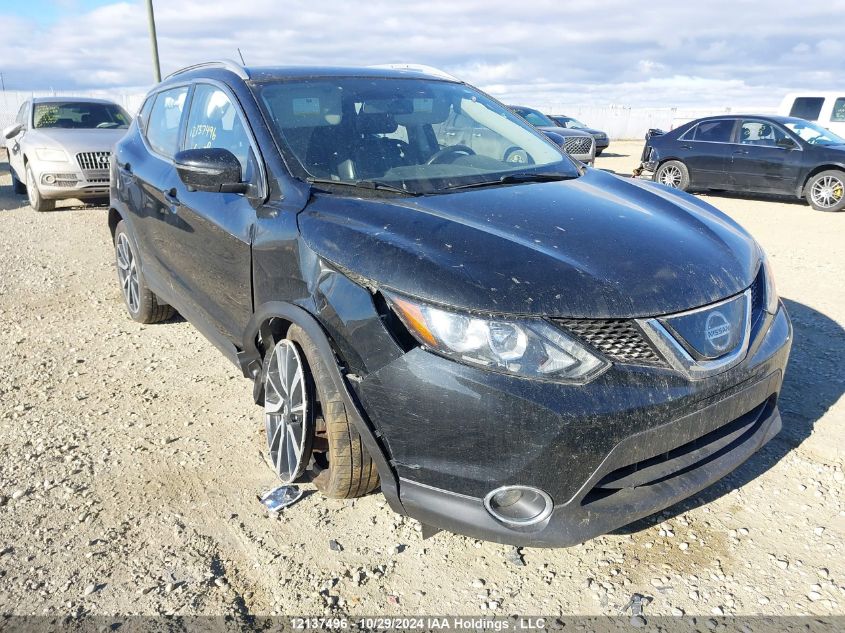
(241, 56)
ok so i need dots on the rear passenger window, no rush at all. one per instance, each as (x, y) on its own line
(714, 131)
(807, 108)
(165, 116)
(838, 114)
(144, 114)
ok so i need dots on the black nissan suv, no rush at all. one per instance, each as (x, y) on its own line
(533, 353)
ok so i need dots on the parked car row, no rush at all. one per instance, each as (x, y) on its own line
(430, 296)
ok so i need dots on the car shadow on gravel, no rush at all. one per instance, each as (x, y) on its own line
(812, 385)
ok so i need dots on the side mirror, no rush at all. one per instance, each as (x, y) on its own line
(12, 131)
(210, 169)
(786, 143)
(555, 138)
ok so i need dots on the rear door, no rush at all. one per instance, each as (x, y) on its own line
(211, 233)
(152, 175)
(759, 163)
(705, 149)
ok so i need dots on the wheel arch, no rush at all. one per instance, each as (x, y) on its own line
(802, 187)
(272, 320)
(114, 219)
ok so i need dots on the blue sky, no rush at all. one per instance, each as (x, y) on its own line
(654, 53)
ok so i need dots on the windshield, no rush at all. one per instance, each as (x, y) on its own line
(79, 115)
(569, 122)
(814, 134)
(534, 117)
(415, 135)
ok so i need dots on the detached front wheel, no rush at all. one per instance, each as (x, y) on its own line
(673, 173)
(308, 430)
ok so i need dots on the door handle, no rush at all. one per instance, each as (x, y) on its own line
(741, 151)
(686, 146)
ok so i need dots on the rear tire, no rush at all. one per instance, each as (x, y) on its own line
(826, 191)
(599, 151)
(36, 201)
(673, 173)
(141, 303)
(340, 466)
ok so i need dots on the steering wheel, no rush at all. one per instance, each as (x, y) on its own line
(438, 157)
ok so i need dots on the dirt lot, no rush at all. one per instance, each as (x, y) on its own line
(132, 457)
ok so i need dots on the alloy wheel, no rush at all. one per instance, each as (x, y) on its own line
(671, 176)
(286, 412)
(127, 270)
(827, 192)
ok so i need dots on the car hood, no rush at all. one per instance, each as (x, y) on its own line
(597, 246)
(74, 141)
(565, 131)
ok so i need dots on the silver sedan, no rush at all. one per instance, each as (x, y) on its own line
(60, 148)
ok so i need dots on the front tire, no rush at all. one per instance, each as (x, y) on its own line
(340, 466)
(673, 173)
(826, 191)
(36, 201)
(142, 304)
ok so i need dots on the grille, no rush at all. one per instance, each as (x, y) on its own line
(579, 145)
(618, 339)
(97, 162)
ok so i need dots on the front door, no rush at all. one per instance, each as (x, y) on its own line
(212, 268)
(765, 158)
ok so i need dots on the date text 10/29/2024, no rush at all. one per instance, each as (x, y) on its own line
(423, 623)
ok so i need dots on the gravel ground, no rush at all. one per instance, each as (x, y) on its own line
(133, 457)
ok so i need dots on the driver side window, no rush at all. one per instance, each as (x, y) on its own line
(214, 121)
(760, 133)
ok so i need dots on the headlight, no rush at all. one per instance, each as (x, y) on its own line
(771, 290)
(51, 155)
(525, 347)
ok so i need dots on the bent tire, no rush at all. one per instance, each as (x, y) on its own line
(826, 191)
(673, 173)
(142, 304)
(340, 466)
(36, 201)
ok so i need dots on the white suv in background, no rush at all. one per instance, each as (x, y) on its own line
(825, 108)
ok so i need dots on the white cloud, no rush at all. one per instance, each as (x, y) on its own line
(660, 53)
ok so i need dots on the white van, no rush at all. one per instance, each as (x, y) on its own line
(826, 108)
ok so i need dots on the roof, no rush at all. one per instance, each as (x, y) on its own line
(776, 118)
(268, 73)
(71, 99)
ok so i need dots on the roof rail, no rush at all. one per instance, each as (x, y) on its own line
(420, 68)
(227, 64)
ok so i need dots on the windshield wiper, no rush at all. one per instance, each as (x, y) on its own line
(516, 178)
(363, 184)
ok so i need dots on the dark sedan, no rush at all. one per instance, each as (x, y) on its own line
(751, 154)
(602, 141)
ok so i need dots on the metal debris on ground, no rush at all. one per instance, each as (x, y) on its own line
(636, 605)
(280, 497)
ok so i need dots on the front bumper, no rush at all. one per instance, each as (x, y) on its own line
(58, 181)
(632, 442)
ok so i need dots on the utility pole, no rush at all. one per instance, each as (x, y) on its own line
(153, 40)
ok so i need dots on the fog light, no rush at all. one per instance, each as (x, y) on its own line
(48, 179)
(518, 505)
